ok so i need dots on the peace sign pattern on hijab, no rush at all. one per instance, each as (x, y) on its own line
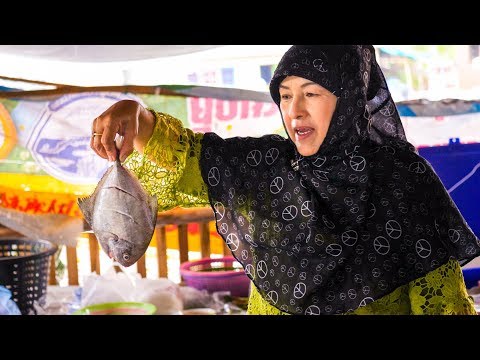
(328, 233)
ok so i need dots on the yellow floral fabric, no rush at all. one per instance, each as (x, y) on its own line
(169, 168)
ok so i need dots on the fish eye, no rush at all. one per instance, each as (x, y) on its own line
(126, 257)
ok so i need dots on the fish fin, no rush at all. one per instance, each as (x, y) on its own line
(86, 206)
(153, 204)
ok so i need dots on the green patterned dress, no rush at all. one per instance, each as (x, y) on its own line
(170, 169)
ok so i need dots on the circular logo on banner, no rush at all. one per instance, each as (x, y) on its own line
(60, 139)
(8, 134)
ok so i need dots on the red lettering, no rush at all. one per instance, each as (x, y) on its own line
(257, 108)
(222, 114)
(201, 114)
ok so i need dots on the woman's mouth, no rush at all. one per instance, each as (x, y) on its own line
(302, 133)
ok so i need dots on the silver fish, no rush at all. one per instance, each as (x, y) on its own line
(121, 214)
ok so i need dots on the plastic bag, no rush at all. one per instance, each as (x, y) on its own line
(7, 305)
(122, 286)
(109, 287)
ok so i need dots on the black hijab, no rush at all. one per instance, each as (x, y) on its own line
(327, 233)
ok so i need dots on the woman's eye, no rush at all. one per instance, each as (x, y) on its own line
(310, 94)
(284, 97)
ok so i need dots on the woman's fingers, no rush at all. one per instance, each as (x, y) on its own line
(119, 119)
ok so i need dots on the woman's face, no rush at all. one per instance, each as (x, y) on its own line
(307, 109)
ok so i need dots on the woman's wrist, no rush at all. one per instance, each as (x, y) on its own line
(146, 124)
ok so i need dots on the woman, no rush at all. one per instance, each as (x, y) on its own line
(342, 217)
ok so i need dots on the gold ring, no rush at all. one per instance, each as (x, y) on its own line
(96, 134)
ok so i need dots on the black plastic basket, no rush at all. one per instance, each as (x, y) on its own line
(24, 270)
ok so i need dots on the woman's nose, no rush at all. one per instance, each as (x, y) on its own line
(296, 109)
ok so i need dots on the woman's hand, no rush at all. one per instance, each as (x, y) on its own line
(127, 118)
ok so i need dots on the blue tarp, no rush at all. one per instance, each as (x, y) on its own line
(458, 165)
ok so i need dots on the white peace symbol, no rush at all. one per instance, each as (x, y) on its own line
(319, 239)
(276, 185)
(265, 223)
(231, 193)
(358, 163)
(232, 242)
(423, 248)
(393, 229)
(321, 175)
(350, 237)
(290, 213)
(333, 249)
(250, 270)
(251, 228)
(254, 157)
(376, 272)
(403, 208)
(358, 278)
(266, 285)
(228, 173)
(299, 290)
(262, 269)
(331, 265)
(303, 275)
(300, 237)
(223, 228)
(213, 176)
(285, 288)
(330, 296)
(289, 227)
(243, 168)
(366, 301)
(241, 220)
(244, 254)
(417, 167)
(251, 215)
(348, 201)
(319, 161)
(312, 310)
(219, 210)
(382, 284)
(291, 271)
(250, 240)
(314, 182)
(388, 110)
(287, 196)
(318, 64)
(371, 210)
(275, 261)
(381, 245)
(454, 235)
(306, 208)
(389, 125)
(398, 193)
(317, 279)
(327, 222)
(272, 296)
(277, 226)
(271, 156)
